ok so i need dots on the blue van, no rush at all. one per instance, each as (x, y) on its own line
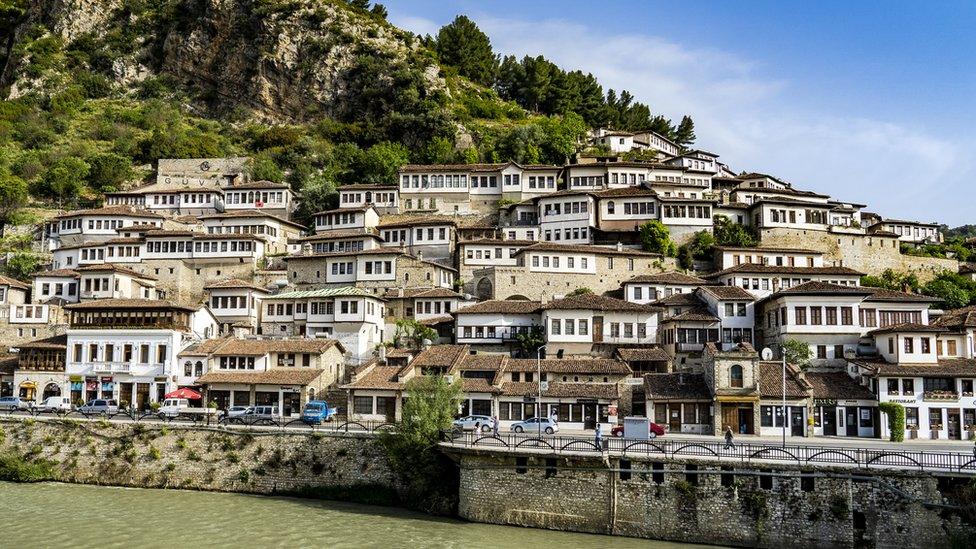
(317, 411)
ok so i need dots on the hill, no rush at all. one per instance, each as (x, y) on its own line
(320, 92)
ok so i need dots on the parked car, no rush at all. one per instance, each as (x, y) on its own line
(475, 423)
(56, 404)
(260, 414)
(13, 403)
(235, 412)
(106, 406)
(655, 430)
(317, 411)
(532, 425)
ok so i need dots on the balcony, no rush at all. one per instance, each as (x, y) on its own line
(690, 347)
(111, 367)
(940, 396)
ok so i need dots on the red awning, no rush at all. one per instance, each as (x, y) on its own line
(183, 392)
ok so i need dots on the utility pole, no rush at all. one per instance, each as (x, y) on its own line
(784, 398)
(538, 364)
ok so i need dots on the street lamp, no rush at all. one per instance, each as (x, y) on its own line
(538, 364)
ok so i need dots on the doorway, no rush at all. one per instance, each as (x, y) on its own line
(828, 415)
(745, 421)
(797, 426)
(851, 420)
(589, 416)
(955, 432)
(674, 419)
(142, 396)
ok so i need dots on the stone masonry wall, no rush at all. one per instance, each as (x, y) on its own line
(584, 494)
(333, 465)
(865, 253)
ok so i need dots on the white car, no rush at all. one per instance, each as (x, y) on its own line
(535, 425)
(173, 407)
(475, 423)
(236, 411)
(56, 404)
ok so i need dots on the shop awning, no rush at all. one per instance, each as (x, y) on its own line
(736, 398)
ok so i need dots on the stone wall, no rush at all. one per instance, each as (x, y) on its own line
(505, 281)
(866, 253)
(334, 465)
(183, 280)
(584, 494)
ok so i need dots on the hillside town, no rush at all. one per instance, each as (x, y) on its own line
(530, 285)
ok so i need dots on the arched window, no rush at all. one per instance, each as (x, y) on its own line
(187, 368)
(735, 376)
(199, 368)
(610, 207)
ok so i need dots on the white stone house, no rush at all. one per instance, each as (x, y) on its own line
(574, 325)
(647, 288)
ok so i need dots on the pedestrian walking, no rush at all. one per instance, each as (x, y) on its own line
(494, 425)
(598, 437)
(728, 438)
(554, 417)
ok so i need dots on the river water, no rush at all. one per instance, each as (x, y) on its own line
(70, 515)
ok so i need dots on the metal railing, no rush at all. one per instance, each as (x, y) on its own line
(338, 424)
(745, 453)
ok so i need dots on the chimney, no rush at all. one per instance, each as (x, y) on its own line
(400, 292)
(420, 255)
(620, 246)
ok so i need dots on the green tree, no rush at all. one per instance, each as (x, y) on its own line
(379, 163)
(656, 237)
(462, 45)
(427, 477)
(108, 171)
(797, 352)
(13, 196)
(952, 296)
(21, 264)
(64, 181)
(563, 134)
(892, 280)
(411, 333)
(580, 291)
(264, 168)
(728, 233)
(701, 244)
(686, 259)
(529, 342)
(685, 134)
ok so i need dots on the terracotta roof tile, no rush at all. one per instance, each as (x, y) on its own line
(607, 391)
(594, 302)
(958, 318)
(837, 385)
(379, 377)
(728, 293)
(278, 376)
(234, 283)
(440, 356)
(676, 386)
(582, 366)
(667, 278)
(100, 304)
(646, 354)
(502, 306)
(755, 268)
(771, 381)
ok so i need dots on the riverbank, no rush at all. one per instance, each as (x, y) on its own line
(347, 467)
(90, 516)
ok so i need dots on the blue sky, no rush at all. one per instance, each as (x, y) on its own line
(871, 102)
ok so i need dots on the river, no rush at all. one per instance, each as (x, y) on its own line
(69, 515)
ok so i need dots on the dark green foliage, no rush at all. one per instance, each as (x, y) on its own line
(108, 171)
(656, 237)
(896, 419)
(14, 468)
(428, 478)
(890, 280)
(685, 134)
(462, 45)
(728, 233)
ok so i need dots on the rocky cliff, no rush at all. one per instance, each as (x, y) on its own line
(274, 60)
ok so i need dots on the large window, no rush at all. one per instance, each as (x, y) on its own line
(362, 404)
(735, 376)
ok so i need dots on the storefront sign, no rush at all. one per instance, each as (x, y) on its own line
(75, 379)
(865, 413)
(824, 402)
(77, 386)
(91, 384)
(107, 379)
(903, 400)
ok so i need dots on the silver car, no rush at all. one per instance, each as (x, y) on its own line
(13, 403)
(475, 423)
(106, 406)
(535, 425)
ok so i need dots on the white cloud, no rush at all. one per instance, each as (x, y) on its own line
(753, 118)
